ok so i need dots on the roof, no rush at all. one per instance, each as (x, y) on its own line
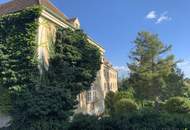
(17, 5)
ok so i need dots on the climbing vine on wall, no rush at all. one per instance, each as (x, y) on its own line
(43, 101)
(18, 48)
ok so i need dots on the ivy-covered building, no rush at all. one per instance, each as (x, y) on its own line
(92, 101)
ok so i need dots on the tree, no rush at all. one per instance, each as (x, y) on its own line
(150, 64)
(123, 84)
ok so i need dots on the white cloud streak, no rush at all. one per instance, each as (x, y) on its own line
(163, 17)
(152, 15)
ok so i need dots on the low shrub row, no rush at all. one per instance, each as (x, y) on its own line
(144, 119)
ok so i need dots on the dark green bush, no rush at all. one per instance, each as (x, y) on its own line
(84, 122)
(143, 119)
(178, 105)
(108, 123)
(151, 119)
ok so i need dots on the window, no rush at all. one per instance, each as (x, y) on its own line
(88, 96)
(91, 96)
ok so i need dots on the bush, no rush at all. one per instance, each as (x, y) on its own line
(178, 105)
(124, 94)
(112, 98)
(108, 123)
(40, 124)
(109, 103)
(84, 122)
(146, 119)
(125, 106)
(143, 119)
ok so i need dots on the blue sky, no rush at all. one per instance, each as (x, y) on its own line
(115, 23)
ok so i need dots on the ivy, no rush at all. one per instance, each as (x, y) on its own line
(17, 49)
(43, 102)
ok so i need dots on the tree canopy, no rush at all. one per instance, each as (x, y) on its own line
(150, 64)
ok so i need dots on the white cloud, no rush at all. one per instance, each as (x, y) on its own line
(151, 15)
(185, 66)
(123, 71)
(122, 68)
(163, 17)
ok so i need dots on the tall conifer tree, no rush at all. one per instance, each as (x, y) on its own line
(150, 64)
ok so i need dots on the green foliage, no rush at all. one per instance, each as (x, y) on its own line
(151, 119)
(125, 94)
(5, 102)
(112, 99)
(17, 54)
(125, 106)
(175, 84)
(41, 124)
(150, 64)
(18, 48)
(154, 78)
(108, 123)
(84, 122)
(109, 103)
(178, 105)
(123, 84)
(80, 58)
(45, 101)
(143, 119)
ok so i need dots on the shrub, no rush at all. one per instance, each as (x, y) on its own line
(109, 103)
(146, 119)
(178, 105)
(84, 122)
(125, 106)
(108, 123)
(124, 94)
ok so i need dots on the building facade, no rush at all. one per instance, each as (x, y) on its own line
(92, 101)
